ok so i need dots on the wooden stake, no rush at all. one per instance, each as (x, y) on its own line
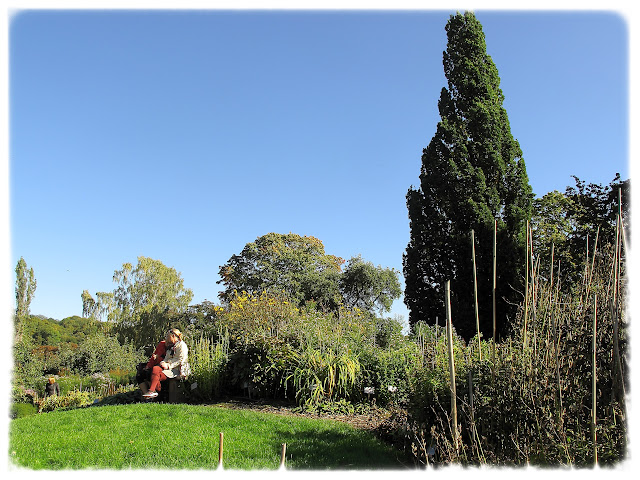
(452, 368)
(283, 455)
(593, 384)
(474, 434)
(475, 290)
(220, 450)
(620, 388)
(553, 247)
(493, 345)
(526, 290)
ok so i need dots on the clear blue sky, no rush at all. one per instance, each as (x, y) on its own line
(182, 136)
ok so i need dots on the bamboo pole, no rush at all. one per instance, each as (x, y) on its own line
(553, 247)
(624, 236)
(593, 262)
(493, 345)
(593, 384)
(586, 265)
(471, 407)
(452, 368)
(435, 345)
(620, 388)
(526, 289)
(220, 451)
(283, 455)
(475, 290)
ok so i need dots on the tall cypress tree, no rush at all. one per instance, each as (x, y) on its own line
(472, 174)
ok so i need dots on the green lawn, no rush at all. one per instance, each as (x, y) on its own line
(164, 436)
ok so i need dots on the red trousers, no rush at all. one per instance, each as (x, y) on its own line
(156, 377)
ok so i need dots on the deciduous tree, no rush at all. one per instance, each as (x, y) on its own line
(25, 290)
(552, 227)
(295, 264)
(368, 287)
(594, 210)
(143, 301)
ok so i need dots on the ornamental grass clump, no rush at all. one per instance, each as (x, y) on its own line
(208, 361)
(319, 376)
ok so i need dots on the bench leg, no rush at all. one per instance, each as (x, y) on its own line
(173, 391)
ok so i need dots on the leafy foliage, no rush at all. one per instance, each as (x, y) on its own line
(140, 304)
(572, 224)
(101, 353)
(299, 267)
(552, 228)
(25, 290)
(284, 262)
(367, 287)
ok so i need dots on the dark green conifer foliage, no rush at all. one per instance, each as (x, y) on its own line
(472, 173)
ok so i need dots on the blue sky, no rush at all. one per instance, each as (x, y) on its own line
(184, 135)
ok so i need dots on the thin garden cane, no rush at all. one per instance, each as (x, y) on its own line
(526, 289)
(475, 291)
(593, 261)
(493, 345)
(594, 436)
(452, 368)
(620, 388)
(620, 239)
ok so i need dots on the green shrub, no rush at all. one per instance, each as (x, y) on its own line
(391, 372)
(101, 353)
(20, 394)
(73, 399)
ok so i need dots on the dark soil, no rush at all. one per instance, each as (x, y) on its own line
(371, 421)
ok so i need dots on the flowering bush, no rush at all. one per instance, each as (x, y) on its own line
(277, 349)
(73, 399)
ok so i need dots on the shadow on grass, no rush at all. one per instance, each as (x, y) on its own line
(330, 449)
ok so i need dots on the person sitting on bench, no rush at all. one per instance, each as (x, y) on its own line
(144, 371)
(174, 365)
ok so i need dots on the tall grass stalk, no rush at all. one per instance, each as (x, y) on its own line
(208, 360)
(323, 375)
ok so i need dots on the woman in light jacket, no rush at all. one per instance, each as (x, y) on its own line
(174, 365)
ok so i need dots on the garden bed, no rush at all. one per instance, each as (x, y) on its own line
(371, 421)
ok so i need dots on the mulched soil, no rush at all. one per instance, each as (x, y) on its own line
(370, 421)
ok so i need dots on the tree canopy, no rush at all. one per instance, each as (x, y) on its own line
(472, 175)
(368, 287)
(25, 290)
(570, 223)
(139, 305)
(299, 267)
(295, 264)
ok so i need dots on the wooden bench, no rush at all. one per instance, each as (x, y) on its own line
(174, 386)
(171, 391)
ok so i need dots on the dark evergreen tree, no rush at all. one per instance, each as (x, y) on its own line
(472, 174)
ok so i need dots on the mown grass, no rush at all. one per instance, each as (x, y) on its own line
(164, 436)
